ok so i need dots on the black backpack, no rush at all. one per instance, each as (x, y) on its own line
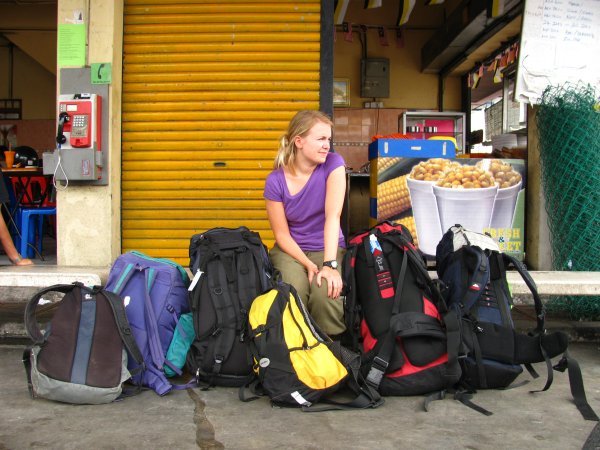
(81, 357)
(473, 270)
(231, 268)
(395, 315)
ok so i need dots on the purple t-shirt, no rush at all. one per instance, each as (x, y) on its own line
(305, 211)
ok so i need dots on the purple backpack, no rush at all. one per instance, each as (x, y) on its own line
(155, 294)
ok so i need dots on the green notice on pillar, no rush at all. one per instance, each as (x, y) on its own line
(101, 73)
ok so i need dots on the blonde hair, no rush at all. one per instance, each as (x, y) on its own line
(300, 125)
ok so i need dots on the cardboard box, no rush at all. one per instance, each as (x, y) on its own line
(402, 192)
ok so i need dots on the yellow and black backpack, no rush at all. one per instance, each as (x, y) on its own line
(295, 363)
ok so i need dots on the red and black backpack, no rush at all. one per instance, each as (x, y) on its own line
(395, 315)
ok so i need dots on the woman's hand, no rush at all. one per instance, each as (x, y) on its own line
(334, 281)
(311, 269)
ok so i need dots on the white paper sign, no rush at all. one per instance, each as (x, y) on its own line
(560, 42)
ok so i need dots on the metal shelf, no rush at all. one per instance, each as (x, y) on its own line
(428, 124)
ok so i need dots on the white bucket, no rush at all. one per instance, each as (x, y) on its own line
(471, 208)
(425, 213)
(504, 206)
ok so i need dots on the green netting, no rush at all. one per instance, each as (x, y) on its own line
(569, 138)
(575, 308)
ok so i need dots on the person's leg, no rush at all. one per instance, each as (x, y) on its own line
(9, 246)
(327, 312)
(292, 272)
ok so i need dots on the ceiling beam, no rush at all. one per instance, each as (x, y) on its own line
(465, 29)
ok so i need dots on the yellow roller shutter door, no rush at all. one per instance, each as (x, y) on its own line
(208, 89)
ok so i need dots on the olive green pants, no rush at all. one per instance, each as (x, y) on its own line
(327, 312)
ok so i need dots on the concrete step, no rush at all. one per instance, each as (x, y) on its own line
(19, 284)
(551, 283)
(578, 331)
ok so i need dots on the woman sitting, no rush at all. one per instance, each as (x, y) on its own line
(304, 199)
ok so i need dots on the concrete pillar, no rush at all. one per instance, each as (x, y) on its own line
(537, 247)
(89, 217)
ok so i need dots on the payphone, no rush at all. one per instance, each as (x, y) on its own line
(78, 154)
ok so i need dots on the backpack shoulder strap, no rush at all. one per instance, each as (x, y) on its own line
(577, 389)
(478, 280)
(400, 240)
(118, 309)
(351, 308)
(260, 255)
(33, 328)
(377, 262)
(266, 273)
(567, 362)
(226, 318)
(248, 268)
(124, 278)
(154, 345)
(540, 312)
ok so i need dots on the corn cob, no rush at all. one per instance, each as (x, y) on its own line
(384, 163)
(409, 222)
(392, 198)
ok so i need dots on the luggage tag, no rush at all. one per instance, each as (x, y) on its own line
(195, 280)
(384, 277)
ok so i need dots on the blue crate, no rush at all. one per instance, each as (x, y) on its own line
(411, 148)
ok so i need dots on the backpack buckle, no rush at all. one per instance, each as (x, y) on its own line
(378, 368)
(218, 362)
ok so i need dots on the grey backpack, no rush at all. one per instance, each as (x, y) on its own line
(82, 355)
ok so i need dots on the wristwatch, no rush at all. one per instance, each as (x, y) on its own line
(333, 264)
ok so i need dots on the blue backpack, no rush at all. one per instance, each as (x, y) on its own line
(155, 294)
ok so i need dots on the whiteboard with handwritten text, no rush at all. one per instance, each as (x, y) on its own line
(560, 42)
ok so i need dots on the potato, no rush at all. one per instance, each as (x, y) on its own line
(466, 177)
(432, 169)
